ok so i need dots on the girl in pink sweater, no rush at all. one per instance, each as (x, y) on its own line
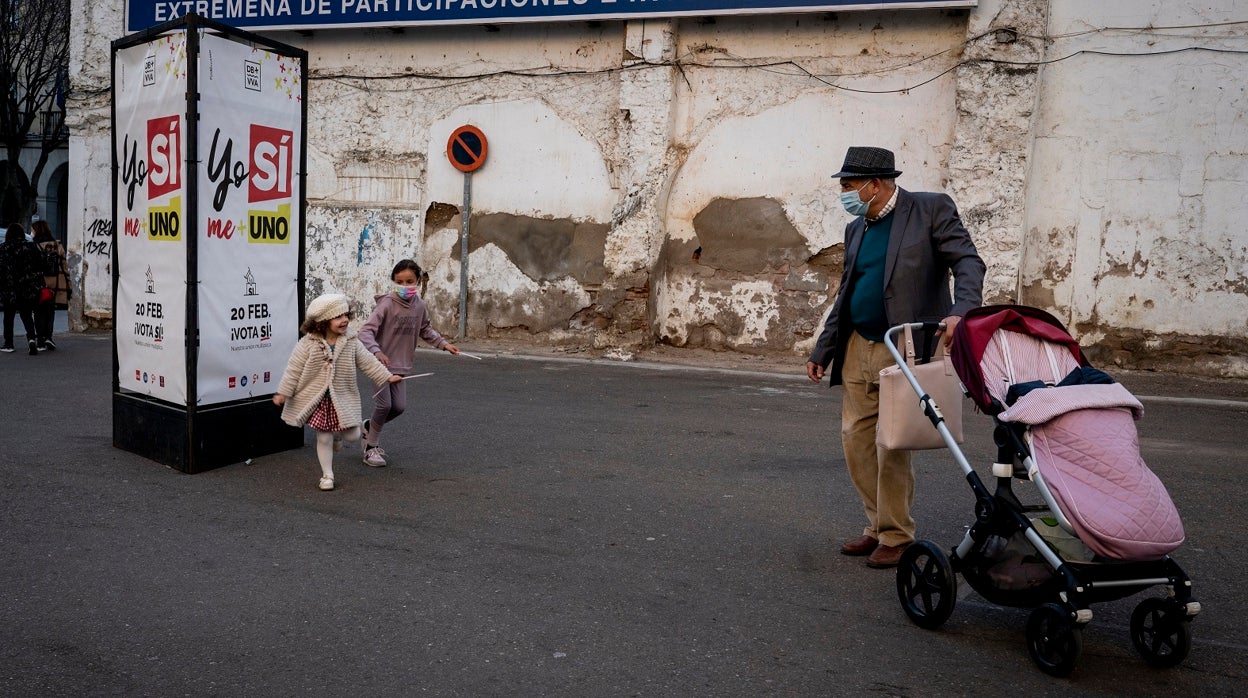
(398, 321)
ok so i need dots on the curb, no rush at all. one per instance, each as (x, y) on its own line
(771, 375)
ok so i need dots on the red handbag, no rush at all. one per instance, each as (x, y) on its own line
(46, 295)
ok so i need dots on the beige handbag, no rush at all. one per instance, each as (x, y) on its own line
(902, 426)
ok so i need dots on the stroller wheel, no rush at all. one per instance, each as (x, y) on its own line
(1054, 641)
(926, 584)
(1160, 632)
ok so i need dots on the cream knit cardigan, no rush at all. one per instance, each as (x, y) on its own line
(313, 368)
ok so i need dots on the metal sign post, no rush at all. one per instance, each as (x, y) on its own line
(466, 149)
(463, 257)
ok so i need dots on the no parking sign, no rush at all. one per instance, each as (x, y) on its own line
(466, 148)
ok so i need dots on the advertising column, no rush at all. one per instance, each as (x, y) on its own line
(149, 313)
(250, 140)
(208, 131)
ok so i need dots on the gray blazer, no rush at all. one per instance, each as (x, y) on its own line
(928, 243)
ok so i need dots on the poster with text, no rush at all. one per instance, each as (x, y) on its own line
(250, 189)
(149, 320)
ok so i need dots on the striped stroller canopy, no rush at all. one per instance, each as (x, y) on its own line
(974, 333)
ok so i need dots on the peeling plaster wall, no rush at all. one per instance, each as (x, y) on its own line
(763, 142)
(667, 180)
(989, 167)
(352, 250)
(1135, 210)
(382, 105)
(542, 181)
(89, 230)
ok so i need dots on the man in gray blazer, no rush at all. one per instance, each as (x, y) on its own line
(900, 251)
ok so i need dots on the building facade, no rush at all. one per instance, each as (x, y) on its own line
(667, 179)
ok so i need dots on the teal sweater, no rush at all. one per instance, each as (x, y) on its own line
(866, 302)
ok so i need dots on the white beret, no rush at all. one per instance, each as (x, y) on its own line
(328, 307)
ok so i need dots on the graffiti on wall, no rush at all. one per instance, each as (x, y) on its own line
(99, 239)
(366, 237)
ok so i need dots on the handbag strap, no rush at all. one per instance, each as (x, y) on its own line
(944, 356)
(909, 349)
(939, 354)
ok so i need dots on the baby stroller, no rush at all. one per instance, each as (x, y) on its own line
(1105, 526)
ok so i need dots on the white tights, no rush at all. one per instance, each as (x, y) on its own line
(325, 448)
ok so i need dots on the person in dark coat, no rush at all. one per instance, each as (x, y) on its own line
(901, 250)
(21, 283)
(52, 256)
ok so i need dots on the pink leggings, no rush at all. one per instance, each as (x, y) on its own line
(386, 407)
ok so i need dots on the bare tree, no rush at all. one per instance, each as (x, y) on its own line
(34, 61)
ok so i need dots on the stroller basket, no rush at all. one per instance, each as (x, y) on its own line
(1104, 526)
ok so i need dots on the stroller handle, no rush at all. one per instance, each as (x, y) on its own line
(897, 329)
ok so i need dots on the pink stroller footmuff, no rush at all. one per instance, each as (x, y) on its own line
(1117, 506)
(1086, 450)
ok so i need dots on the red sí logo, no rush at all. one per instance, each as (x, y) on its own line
(270, 172)
(164, 156)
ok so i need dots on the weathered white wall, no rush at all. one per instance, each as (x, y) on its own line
(87, 114)
(381, 107)
(668, 180)
(757, 125)
(1136, 209)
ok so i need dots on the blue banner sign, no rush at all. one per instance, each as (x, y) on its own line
(326, 14)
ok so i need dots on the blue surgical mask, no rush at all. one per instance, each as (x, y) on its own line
(853, 203)
(405, 292)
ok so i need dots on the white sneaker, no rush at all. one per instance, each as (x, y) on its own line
(375, 457)
(327, 484)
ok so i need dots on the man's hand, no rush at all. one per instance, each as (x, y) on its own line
(946, 335)
(385, 360)
(814, 371)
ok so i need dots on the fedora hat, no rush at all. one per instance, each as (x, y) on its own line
(862, 162)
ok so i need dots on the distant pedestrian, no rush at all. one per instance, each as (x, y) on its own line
(319, 386)
(55, 279)
(391, 332)
(21, 283)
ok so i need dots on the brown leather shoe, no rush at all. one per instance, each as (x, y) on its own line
(886, 556)
(863, 545)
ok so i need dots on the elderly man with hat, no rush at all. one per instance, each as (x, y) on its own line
(901, 249)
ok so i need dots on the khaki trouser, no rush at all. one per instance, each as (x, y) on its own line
(884, 479)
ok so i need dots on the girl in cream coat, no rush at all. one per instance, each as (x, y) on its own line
(319, 386)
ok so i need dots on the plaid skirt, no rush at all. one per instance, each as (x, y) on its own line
(325, 417)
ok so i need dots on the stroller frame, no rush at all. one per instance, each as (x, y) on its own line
(927, 576)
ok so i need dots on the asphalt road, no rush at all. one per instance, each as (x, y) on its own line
(546, 527)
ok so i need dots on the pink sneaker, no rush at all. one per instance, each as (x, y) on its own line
(375, 457)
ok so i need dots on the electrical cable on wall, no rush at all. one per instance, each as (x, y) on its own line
(689, 61)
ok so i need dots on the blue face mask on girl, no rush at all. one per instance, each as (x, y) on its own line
(405, 292)
(853, 203)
